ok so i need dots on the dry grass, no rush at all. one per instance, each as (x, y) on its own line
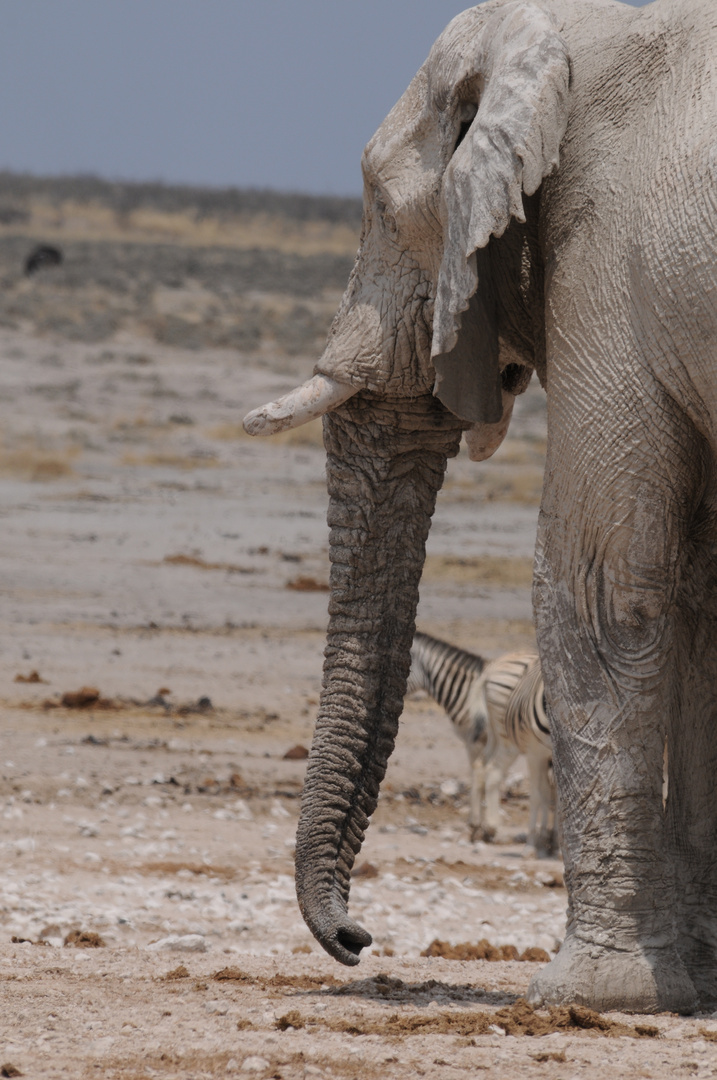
(171, 461)
(93, 221)
(496, 482)
(479, 570)
(310, 434)
(28, 460)
(202, 564)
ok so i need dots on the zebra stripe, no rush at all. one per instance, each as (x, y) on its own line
(448, 674)
(498, 711)
(525, 711)
(512, 684)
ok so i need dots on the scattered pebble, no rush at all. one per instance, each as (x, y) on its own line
(255, 1064)
(177, 943)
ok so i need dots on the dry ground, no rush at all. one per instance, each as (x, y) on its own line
(174, 571)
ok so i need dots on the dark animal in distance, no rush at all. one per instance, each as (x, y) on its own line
(41, 258)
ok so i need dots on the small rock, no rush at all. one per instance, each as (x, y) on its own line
(9, 1070)
(175, 943)
(243, 811)
(218, 1008)
(254, 1064)
(449, 788)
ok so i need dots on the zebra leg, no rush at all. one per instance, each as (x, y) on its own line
(475, 818)
(540, 835)
(618, 508)
(496, 772)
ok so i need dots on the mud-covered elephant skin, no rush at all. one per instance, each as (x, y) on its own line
(543, 197)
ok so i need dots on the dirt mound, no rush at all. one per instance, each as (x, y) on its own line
(365, 870)
(484, 951)
(180, 972)
(33, 677)
(87, 697)
(295, 982)
(518, 1019)
(296, 753)
(84, 939)
(385, 987)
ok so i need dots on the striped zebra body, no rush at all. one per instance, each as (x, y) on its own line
(498, 711)
(448, 674)
(526, 715)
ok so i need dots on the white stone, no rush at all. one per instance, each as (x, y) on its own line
(449, 788)
(254, 1064)
(243, 811)
(175, 943)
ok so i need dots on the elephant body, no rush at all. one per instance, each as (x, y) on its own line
(543, 197)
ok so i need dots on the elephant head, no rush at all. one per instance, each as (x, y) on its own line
(440, 326)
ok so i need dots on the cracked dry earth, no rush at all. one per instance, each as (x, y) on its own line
(164, 606)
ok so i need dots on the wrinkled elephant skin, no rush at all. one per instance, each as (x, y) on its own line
(543, 197)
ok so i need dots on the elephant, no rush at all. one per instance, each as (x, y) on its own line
(542, 198)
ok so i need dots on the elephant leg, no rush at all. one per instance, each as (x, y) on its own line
(691, 772)
(617, 508)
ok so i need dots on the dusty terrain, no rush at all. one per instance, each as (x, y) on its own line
(163, 582)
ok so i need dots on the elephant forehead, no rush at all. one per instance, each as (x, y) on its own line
(412, 142)
(396, 145)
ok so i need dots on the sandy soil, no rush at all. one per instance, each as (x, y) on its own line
(176, 570)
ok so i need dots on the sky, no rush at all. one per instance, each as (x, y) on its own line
(247, 93)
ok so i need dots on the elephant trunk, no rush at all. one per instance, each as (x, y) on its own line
(386, 462)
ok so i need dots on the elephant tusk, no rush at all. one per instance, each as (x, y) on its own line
(317, 396)
(483, 440)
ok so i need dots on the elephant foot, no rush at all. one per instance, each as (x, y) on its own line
(639, 980)
(698, 949)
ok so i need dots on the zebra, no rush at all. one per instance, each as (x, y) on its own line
(498, 711)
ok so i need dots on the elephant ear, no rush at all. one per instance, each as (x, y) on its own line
(511, 145)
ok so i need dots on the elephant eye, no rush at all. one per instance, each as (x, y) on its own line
(390, 223)
(463, 131)
(387, 219)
